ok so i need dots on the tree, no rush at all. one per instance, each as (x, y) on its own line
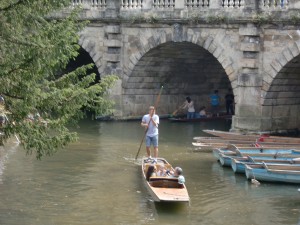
(34, 51)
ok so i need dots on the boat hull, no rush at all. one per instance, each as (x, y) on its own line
(164, 189)
(263, 173)
(204, 119)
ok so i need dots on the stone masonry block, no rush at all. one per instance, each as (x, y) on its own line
(112, 57)
(268, 79)
(85, 43)
(200, 41)
(248, 31)
(212, 48)
(249, 80)
(247, 123)
(282, 60)
(276, 65)
(288, 55)
(297, 43)
(208, 42)
(221, 58)
(229, 70)
(272, 72)
(195, 38)
(113, 43)
(98, 62)
(232, 77)
(218, 52)
(250, 63)
(190, 34)
(227, 62)
(113, 29)
(294, 50)
(250, 47)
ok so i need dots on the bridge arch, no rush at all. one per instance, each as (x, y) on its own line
(201, 39)
(281, 88)
(138, 93)
(90, 46)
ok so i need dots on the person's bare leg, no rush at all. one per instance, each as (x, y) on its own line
(155, 152)
(148, 152)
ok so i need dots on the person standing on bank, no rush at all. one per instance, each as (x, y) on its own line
(215, 103)
(229, 98)
(150, 122)
(189, 104)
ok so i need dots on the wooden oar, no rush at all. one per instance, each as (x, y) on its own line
(155, 105)
(175, 112)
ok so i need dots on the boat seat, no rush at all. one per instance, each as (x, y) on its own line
(165, 182)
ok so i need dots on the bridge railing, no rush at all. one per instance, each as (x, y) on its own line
(115, 8)
(90, 3)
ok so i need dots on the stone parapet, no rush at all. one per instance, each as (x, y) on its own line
(179, 9)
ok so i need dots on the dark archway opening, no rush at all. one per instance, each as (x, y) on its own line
(185, 69)
(83, 58)
(282, 101)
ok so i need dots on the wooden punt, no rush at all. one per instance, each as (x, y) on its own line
(274, 173)
(210, 146)
(225, 156)
(239, 166)
(164, 189)
(218, 142)
(261, 138)
(203, 119)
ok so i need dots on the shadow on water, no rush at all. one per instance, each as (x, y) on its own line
(172, 212)
(171, 207)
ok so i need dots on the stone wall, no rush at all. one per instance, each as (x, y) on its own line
(192, 51)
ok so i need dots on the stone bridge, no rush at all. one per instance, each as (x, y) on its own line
(193, 47)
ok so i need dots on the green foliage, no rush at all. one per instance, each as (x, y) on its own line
(33, 51)
(216, 19)
(295, 18)
(263, 18)
(142, 18)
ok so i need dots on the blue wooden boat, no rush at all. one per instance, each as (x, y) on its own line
(225, 160)
(225, 157)
(238, 166)
(256, 150)
(274, 173)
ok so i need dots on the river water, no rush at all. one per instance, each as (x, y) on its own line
(97, 181)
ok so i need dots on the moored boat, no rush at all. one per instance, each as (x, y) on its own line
(274, 173)
(225, 156)
(202, 119)
(260, 138)
(164, 188)
(239, 166)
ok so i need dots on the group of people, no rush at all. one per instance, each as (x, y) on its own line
(162, 172)
(150, 122)
(215, 101)
(191, 113)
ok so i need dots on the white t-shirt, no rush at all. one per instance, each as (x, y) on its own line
(190, 106)
(152, 129)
